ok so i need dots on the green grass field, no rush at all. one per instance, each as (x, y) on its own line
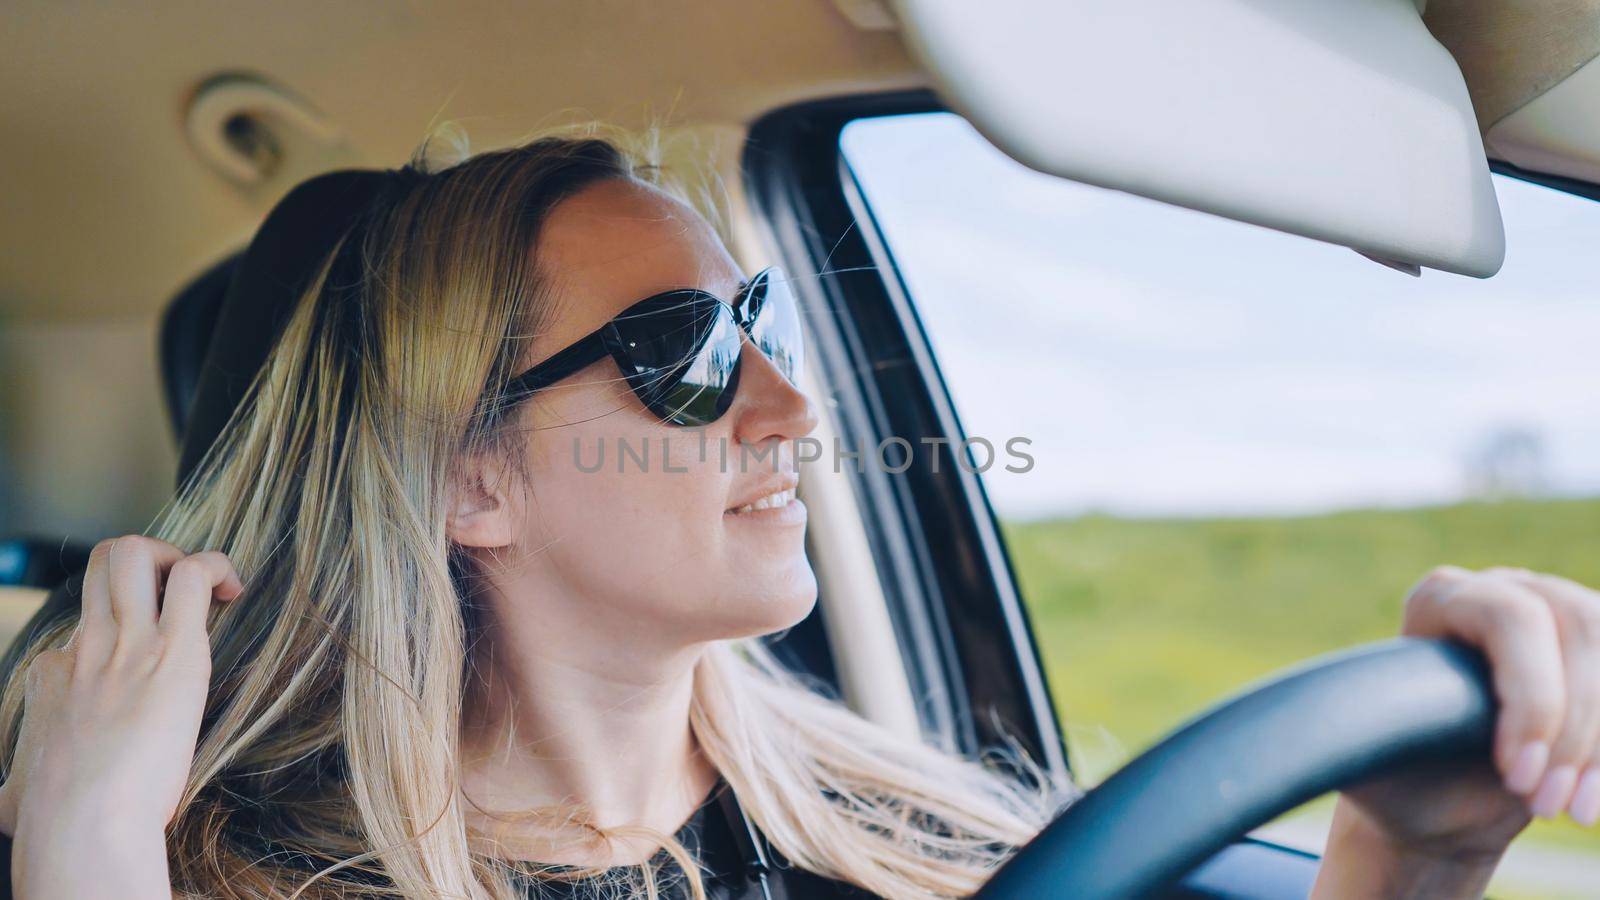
(1144, 622)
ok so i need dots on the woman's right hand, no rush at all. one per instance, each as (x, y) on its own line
(111, 721)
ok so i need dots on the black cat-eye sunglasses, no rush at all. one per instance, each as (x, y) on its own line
(680, 350)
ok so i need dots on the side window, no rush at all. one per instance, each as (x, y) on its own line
(1245, 446)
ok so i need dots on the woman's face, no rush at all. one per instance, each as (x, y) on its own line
(620, 523)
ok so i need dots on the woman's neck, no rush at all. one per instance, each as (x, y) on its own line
(549, 725)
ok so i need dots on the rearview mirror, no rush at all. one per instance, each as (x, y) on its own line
(1345, 122)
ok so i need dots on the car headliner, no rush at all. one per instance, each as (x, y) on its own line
(109, 207)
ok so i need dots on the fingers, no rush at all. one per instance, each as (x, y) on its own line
(134, 569)
(1542, 635)
(1575, 754)
(123, 597)
(1516, 628)
(192, 584)
(120, 589)
(96, 626)
(1585, 806)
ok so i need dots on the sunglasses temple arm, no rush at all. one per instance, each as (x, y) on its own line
(585, 352)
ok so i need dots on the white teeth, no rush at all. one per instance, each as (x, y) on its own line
(770, 501)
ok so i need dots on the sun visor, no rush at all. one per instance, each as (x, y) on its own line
(1344, 122)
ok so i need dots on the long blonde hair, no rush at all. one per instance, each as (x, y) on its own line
(328, 761)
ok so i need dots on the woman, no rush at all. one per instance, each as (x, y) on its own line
(449, 655)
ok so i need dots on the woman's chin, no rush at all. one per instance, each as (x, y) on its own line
(785, 605)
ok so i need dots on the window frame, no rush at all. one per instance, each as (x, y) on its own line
(958, 615)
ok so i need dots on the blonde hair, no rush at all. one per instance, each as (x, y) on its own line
(328, 761)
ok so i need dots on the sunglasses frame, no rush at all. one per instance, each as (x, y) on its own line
(648, 383)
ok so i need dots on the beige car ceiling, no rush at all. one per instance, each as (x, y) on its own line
(110, 201)
(108, 207)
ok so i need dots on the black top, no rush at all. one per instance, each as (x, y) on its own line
(729, 864)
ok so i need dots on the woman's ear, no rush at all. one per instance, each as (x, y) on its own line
(479, 511)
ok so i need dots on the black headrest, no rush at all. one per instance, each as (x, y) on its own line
(186, 330)
(219, 331)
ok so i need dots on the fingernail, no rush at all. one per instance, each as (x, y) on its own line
(1553, 794)
(1524, 774)
(1586, 802)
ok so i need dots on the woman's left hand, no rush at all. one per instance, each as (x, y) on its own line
(1541, 634)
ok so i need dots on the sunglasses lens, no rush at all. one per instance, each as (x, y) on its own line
(775, 323)
(682, 348)
(682, 353)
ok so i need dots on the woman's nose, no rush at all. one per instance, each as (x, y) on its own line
(767, 404)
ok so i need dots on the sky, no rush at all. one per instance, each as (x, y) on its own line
(1169, 362)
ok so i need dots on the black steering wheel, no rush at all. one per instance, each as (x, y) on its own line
(1333, 721)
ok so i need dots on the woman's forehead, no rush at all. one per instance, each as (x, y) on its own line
(615, 243)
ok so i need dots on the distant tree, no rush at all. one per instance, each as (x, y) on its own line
(1509, 461)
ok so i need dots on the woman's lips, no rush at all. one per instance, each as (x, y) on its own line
(780, 508)
(770, 501)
